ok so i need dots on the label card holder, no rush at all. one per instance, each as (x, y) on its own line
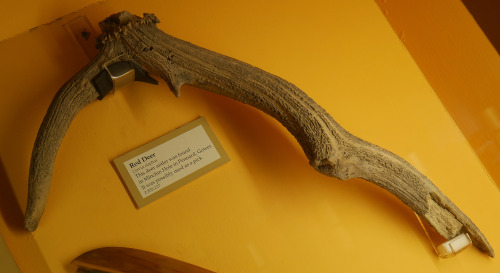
(170, 162)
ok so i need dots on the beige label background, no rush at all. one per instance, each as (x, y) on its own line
(170, 161)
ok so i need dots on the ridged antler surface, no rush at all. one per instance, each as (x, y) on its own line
(330, 149)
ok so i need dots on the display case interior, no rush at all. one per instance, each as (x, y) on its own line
(266, 210)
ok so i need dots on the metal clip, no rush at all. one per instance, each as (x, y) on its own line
(121, 73)
(118, 74)
(447, 248)
(454, 246)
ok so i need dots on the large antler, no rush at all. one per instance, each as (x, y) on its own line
(330, 149)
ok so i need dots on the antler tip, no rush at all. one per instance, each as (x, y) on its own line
(29, 224)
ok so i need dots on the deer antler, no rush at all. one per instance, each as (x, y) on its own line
(330, 149)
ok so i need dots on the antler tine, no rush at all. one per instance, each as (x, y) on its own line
(359, 159)
(73, 96)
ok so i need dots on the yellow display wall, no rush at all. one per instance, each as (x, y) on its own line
(461, 65)
(21, 16)
(266, 210)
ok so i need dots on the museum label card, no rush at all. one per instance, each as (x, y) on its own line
(171, 161)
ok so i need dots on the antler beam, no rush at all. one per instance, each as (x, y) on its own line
(330, 149)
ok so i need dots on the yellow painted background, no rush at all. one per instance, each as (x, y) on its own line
(266, 210)
(460, 64)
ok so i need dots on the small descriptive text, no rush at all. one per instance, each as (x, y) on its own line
(171, 161)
